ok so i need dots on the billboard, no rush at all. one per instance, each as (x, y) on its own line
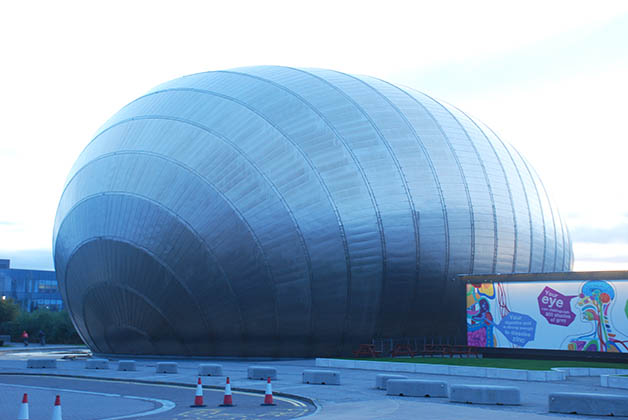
(557, 315)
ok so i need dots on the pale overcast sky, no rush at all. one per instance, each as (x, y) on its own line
(550, 77)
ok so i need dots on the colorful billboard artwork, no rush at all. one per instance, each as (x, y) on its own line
(479, 318)
(595, 300)
(555, 307)
(567, 315)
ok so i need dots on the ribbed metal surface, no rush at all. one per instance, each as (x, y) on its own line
(272, 211)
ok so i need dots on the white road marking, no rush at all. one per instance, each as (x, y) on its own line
(166, 405)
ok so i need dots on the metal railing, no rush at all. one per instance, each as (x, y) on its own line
(386, 345)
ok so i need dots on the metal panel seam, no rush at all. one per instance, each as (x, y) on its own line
(357, 164)
(540, 206)
(549, 204)
(176, 216)
(402, 176)
(430, 163)
(132, 290)
(525, 192)
(462, 176)
(488, 185)
(512, 203)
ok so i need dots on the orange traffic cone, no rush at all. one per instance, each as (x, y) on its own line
(268, 396)
(23, 414)
(198, 398)
(56, 411)
(228, 400)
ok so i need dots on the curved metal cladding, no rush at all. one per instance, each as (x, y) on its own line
(272, 211)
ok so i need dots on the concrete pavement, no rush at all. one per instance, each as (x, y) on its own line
(356, 397)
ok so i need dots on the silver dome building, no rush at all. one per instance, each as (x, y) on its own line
(273, 211)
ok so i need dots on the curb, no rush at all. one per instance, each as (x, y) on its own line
(45, 348)
(614, 381)
(170, 383)
(447, 370)
(584, 371)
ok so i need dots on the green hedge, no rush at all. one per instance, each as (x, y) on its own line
(56, 325)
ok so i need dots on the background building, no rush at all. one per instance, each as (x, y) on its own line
(272, 211)
(30, 289)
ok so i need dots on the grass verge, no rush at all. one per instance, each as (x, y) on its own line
(526, 364)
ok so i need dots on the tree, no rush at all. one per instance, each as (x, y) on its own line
(8, 310)
(56, 325)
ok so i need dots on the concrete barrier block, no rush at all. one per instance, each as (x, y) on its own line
(322, 362)
(262, 372)
(621, 371)
(321, 377)
(431, 369)
(588, 404)
(209, 369)
(537, 375)
(41, 363)
(127, 365)
(381, 379)
(97, 364)
(617, 382)
(416, 388)
(467, 371)
(604, 380)
(167, 367)
(485, 394)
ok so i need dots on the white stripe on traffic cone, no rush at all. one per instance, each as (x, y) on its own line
(198, 398)
(228, 400)
(268, 396)
(23, 414)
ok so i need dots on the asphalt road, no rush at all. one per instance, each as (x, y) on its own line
(87, 399)
(355, 399)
